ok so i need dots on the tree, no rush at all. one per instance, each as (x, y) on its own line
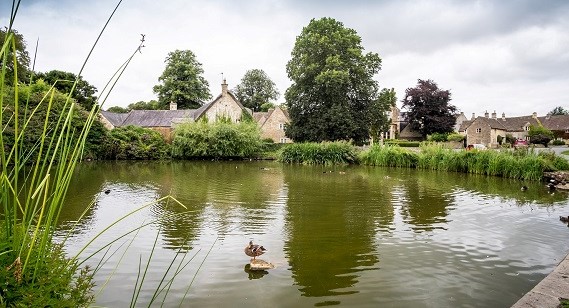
(428, 108)
(540, 135)
(182, 81)
(266, 106)
(117, 109)
(558, 111)
(142, 105)
(255, 89)
(380, 120)
(84, 93)
(22, 56)
(333, 95)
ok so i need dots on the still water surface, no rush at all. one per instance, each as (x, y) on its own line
(349, 236)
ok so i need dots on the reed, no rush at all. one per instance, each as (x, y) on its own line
(523, 165)
(325, 153)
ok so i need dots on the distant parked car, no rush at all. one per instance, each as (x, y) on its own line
(520, 143)
(477, 146)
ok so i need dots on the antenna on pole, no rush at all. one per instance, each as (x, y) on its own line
(222, 79)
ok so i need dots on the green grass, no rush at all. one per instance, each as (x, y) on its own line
(509, 164)
(325, 153)
(565, 152)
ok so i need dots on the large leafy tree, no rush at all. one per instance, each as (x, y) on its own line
(333, 95)
(22, 57)
(182, 81)
(558, 111)
(428, 108)
(256, 89)
(84, 93)
(142, 105)
(540, 135)
(380, 120)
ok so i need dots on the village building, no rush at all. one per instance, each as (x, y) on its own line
(225, 105)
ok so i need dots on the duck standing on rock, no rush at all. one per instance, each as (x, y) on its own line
(254, 250)
(564, 218)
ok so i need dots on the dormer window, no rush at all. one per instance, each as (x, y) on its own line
(526, 128)
(281, 126)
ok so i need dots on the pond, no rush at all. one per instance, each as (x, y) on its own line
(350, 236)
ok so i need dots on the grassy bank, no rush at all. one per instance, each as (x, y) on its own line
(325, 153)
(524, 165)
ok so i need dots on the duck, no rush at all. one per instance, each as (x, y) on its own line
(564, 218)
(253, 250)
(524, 188)
(551, 186)
(108, 191)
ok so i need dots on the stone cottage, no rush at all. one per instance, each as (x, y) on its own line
(225, 105)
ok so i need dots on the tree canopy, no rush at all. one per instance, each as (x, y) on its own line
(540, 135)
(428, 108)
(256, 89)
(142, 105)
(333, 95)
(380, 120)
(22, 56)
(558, 111)
(84, 92)
(182, 81)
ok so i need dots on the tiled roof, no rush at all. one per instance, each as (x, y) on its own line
(556, 122)
(148, 118)
(116, 119)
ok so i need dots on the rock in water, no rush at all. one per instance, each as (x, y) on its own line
(260, 265)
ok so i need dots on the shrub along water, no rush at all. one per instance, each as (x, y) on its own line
(325, 153)
(221, 139)
(134, 142)
(522, 165)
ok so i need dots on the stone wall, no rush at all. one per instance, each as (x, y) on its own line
(483, 137)
(273, 127)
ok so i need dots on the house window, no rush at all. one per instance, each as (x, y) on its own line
(281, 126)
(284, 140)
(479, 130)
(526, 128)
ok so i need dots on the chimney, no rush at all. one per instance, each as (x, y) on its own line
(534, 115)
(473, 116)
(173, 106)
(503, 116)
(486, 114)
(494, 115)
(224, 88)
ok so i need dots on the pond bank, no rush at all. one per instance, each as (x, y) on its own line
(550, 290)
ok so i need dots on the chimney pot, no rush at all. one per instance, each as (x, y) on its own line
(224, 87)
(473, 116)
(503, 116)
(494, 114)
(486, 114)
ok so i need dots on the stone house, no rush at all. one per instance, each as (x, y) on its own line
(485, 130)
(272, 124)
(225, 105)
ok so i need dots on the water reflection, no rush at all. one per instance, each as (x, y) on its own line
(254, 274)
(331, 221)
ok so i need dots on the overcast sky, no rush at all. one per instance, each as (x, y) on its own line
(507, 56)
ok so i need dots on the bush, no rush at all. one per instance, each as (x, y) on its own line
(540, 135)
(389, 156)
(402, 143)
(438, 137)
(135, 143)
(557, 142)
(324, 153)
(455, 137)
(222, 139)
(52, 282)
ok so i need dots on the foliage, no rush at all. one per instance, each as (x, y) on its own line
(150, 105)
(182, 81)
(510, 139)
(134, 142)
(389, 156)
(117, 109)
(324, 153)
(456, 137)
(428, 108)
(59, 281)
(522, 165)
(402, 143)
(256, 89)
(38, 103)
(22, 57)
(557, 142)
(221, 139)
(438, 137)
(266, 106)
(558, 111)
(380, 120)
(500, 139)
(83, 93)
(540, 135)
(333, 95)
